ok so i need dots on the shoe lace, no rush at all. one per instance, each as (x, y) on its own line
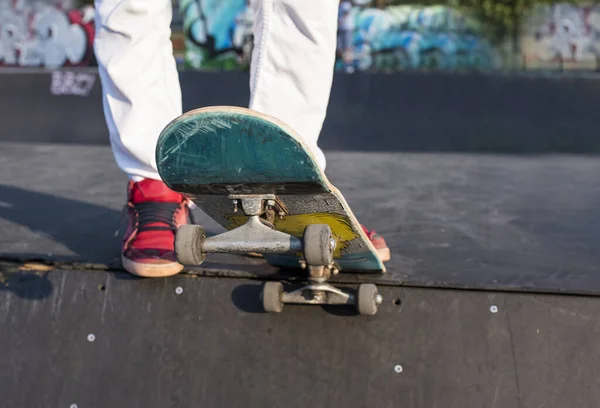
(148, 219)
(156, 213)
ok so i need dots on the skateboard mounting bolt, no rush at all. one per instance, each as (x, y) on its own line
(398, 369)
(235, 206)
(494, 309)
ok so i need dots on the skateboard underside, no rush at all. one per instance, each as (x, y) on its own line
(253, 175)
(212, 155)
(351, 253)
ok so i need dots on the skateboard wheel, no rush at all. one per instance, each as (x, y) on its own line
(318, 245)
(368, 299)
(272, 297)
(188, 244)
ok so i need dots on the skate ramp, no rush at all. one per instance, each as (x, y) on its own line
(455, 221)
(490, 299)
(90, 338)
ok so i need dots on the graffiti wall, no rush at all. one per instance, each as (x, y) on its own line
(45, 33)
(218, 35)
(561, 34)
(411, 37)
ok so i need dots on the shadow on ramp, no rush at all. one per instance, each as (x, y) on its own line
(63, 229)
(53, 224)
(247, 298)
(25, 285)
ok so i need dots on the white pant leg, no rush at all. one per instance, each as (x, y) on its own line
(293, 63)
(141, 90)
(291, 73)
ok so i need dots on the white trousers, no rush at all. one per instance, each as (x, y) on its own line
(290, 78)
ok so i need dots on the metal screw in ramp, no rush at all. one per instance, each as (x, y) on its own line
(179, 290)
(494, 309)
(398, 369)
(73, 406)
(91, 337)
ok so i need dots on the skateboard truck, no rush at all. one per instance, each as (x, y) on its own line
(258, 235)
(192, 244)
(366, 299)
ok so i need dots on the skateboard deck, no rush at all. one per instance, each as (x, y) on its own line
(214, 154)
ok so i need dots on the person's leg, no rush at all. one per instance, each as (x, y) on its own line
(141, 95)
(139, 78)
(292, 69)
(293, 63)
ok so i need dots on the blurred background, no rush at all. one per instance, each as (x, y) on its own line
(374, 36)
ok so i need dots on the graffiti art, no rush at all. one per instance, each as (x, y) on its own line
(411, 37)
(46, 34)
(219, 36)
(562, 34)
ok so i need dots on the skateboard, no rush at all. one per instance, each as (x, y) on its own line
(253, 175)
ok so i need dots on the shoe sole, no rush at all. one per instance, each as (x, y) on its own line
(384, 254)
(151, 270)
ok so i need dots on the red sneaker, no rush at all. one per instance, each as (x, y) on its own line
(155, 213)
(379, 243)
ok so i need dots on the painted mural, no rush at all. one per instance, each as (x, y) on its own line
(46, 34)
(218, 35)
(411, 37)
(561, 35)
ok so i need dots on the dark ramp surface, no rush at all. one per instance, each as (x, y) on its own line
(210, 346)
(462, 221)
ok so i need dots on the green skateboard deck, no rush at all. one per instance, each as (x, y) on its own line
(217, 154)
